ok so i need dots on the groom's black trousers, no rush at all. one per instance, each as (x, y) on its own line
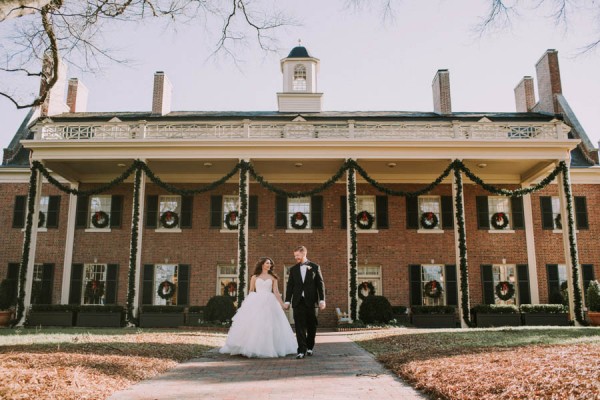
(305, 321)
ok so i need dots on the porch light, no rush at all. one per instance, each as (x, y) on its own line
(121, 165)
(503, 260)
(298, 165)
(432, 261)
(166, 260)
(391, 164)
(482, 165)
(95, 260)
(208, 164)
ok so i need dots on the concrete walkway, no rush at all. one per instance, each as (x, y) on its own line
(338, 370)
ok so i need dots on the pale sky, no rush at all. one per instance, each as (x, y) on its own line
(366, 63)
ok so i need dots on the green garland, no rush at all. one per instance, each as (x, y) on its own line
(135, 226)
(353, 245)
(242, 231)
(462, 249)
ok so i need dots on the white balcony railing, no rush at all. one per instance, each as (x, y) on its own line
(456, 130)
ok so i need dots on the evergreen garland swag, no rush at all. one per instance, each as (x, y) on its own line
(166, 290)
(505, 290)
(429, 220)
(364, 220)
(232, 220)
(368, 286)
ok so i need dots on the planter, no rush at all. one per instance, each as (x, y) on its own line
(488, 320)
(434, 320)
(536, 319)
(194, 318)
(99, 319)
(402, 319)
(594, 317)
(50, 318)
(5, 317)
(161, 320)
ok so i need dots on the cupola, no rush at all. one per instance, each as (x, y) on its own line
(300, 72)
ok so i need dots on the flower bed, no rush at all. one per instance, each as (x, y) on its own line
(544, 314)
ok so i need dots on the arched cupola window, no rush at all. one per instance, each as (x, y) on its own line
(299, 83)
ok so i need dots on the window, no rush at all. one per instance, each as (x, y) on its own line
(43, 220)
(500, 212)
(100, 207)
(299, 83)
(299, 213)
(94, 284)
(433, 287)
(169, 211)
(368, 278)
(551, 212)
(163, 275)
(501, 274)
(430, 216)
(36, 287)
(366, 220)
(230, 204)
(227, 279)
(556, 217)
(557, 285)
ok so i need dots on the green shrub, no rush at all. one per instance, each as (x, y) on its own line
(556, 297)
(8, 296)
(196, 309)
(54, 307)
(399, 310)
(433, 309)
(95, 308)
(162, 309)
(496, 309)
(543, 309)
(219, 308)
(375, 309)
(593, 296)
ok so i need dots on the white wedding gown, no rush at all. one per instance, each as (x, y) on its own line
(260, 327)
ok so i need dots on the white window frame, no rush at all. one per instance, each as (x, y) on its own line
(367, 203)
(44, 204)
(430, 204)
(370, 273)
(500, 204)
(505, 272)
(299, 82)
(38, 278)
(230, 203)
(99, 202)
(302, 204)
(165, 203)
(226, 273)
(428, 273)
(93, 271)
(164, 272)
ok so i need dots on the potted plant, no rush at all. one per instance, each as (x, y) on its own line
(195, 316)
(434, 316)
(161, 316)
(544, 314)
(101, 316)
(593, 302)
(488, 315)
(7, 302)
(51, 315)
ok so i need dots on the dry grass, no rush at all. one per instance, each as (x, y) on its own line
(521, 363)
(91, 364)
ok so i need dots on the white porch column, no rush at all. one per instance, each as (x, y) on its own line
(455, 189)
(138, 255)
(243, 230)
(69, 242)
(530, 241)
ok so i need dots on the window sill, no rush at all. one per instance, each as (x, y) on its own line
(430, 231)
(298, 231)
(561, 231)
(501, 231)
(97, 230)
(367, 231)
(228, 230)
(165, 230)
(38, 229)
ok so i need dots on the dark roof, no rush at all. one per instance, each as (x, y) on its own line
(298, 52)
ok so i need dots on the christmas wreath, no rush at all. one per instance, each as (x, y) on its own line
(499, 220)
(100, 219)
(232, 220)
(433, 289)
(429, 220)
(558, 221)
(366, 286)
(169, 219)
(229, 289)
(94, 290)
(298, 220)
(364, 220)
(41, 219)
(166, 290)
(505, 290)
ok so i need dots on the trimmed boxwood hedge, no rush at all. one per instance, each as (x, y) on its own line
(543, 309)
(433, 309)
(162, 309)
(496, 309)
(375, 309)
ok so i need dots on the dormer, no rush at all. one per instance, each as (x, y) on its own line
(300, 72)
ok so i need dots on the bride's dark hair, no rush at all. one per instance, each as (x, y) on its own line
(259, 264)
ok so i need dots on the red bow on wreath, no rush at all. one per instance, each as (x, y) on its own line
(365, 285)
(298, 216)
(94, 284)
(433, 285)
(232, 217)
(363, 217)
(168, 215)
(98, 214)
(504, 287)
(500, 217)
(429, 216)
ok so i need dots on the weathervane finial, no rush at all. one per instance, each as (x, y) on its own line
(299, 42)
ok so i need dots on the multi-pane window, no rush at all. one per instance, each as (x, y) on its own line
(99, 212)
(227, 280)
(500, 212)
(36, 287)
(434, 290)
(430, 216)
(299, 83)
(505, 281)
(43, 217)
(366, 212)
(94, 284)
(368, 281)
(556, 217)
(299, 213)
(230, 212)
(169, 211)
(165, 280)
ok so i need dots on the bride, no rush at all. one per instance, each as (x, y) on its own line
(260, 327)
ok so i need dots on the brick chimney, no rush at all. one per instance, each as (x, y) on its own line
(524, 95)
(77, 96)
(55, 101)
(161, 98)
(441, 92)
(549, 85)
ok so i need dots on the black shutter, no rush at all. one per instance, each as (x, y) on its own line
(412, 213)
(487, 282)
(47, 284)
(518, 216)
(483, 213)
(53, 212)
(343, 212)
(112, 273)
(253, 212)
(76, 283)
(151, 211)
(281, 212)
(316, 209)
(183, 284)
(187, 205)
(553, 282)
(13, 277)
(523, 277)
(81, 215)
(216, 212)
(581, 216)
(415, 285)
(547, 216)
(381, 207)
(447, 213)
(19, 212)
(451, 285)
(587, 273)
(116, 211)
(148, 284)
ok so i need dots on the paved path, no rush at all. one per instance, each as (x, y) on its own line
(339, 370)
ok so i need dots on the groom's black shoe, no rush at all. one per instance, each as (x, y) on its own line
(309, 352)
(300, 356)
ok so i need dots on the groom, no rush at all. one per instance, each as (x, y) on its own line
(304, 288)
